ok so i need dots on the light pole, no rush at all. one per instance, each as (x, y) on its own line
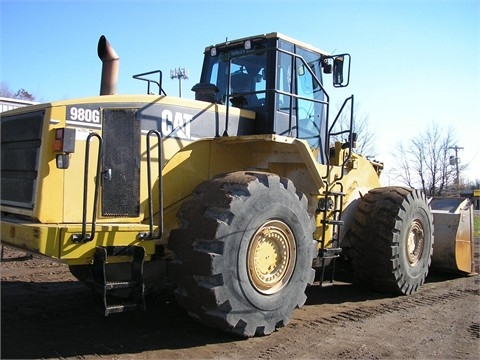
(455, 162)
(180, 74)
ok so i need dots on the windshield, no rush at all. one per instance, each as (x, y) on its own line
(247, 69)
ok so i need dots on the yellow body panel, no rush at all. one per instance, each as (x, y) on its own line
(49, 197)
(55, 241)
(58, 203)
(57, 213)
(37, 238)
(196, 162)
(107, 235)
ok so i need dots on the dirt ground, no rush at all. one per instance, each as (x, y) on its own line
(46, 313)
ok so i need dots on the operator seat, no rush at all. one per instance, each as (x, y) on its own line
(240, 84)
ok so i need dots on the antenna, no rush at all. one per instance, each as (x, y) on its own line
(180, 74)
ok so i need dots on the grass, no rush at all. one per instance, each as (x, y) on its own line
(476, 225)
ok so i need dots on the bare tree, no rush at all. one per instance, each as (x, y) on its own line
(424, 161)
(403, 169)
(5, 91)
(21, 94)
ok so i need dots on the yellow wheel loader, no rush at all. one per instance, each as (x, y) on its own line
(237, 198)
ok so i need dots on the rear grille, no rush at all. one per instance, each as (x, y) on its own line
(21, 139)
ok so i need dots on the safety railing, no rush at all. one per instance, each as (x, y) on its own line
(84, 237)
(151, 234)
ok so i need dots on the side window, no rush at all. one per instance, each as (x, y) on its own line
(284, 82)
(305, 80)
(261, 85)
(310, 108)
(214, 74)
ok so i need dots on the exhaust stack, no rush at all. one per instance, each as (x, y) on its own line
(111, 62)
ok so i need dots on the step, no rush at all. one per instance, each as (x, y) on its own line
(330, 253)
(327, 284)
(105, 289)
(336, 193)
(111, 285)
(333, 222)
(120, 308)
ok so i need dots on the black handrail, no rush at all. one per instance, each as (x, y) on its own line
(158, 83)
(150, 235)
(84, 237)
(337, 206)
(348, 131)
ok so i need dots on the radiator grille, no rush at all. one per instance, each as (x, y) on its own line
(21, 140)
(121, 139)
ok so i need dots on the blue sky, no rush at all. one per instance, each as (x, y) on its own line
(413, 62)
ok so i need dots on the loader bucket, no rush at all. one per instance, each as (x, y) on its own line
(453, 248)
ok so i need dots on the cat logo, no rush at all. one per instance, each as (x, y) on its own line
(176, 124)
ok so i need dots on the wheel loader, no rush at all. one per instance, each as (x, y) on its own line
(238, 199)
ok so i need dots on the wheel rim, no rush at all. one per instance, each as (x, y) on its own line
(271, 257)
(415, 242)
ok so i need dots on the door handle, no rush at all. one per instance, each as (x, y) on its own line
(107, 175)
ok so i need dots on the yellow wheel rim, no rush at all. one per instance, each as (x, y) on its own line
(415, 242)
(271, 257)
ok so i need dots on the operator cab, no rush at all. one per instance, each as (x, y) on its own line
(278, 78)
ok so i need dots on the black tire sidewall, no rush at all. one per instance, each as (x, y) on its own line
(264, 205)
(379, 238)
(416, 210)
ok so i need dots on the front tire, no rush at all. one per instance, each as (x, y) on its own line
(392, 240)
(244, 253)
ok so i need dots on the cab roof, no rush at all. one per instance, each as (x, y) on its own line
(269, 36)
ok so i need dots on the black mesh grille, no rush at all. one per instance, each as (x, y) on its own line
(21, 139)
(121, 163)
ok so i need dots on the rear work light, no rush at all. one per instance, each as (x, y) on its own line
(64, 143)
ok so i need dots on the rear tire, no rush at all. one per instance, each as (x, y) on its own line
(244, 253)
(392, 240)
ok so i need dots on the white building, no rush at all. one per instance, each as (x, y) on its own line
(9, 103)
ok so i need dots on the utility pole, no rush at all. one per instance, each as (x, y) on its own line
(180, 74)
(455, 162)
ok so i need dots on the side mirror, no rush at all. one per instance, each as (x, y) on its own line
(341, 70)
(338, 70)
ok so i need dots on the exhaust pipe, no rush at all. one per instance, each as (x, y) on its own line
(111, 62)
